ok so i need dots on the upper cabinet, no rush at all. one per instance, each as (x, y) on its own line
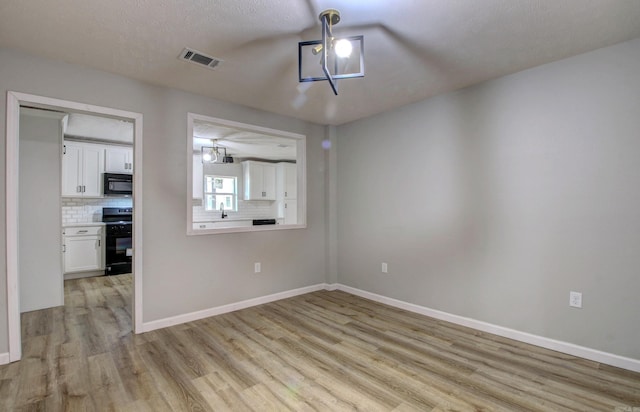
(286, 180)
(82, 168)
(259, 180)
(84, 163)
(118, 159)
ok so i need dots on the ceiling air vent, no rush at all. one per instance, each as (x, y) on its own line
(195, 56)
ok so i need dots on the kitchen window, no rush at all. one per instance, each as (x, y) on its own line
(220, 193)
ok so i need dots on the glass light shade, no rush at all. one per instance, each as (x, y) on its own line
(343, 48)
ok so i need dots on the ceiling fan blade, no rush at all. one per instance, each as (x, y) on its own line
(414, 48)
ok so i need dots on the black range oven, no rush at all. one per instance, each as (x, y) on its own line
(118, 240)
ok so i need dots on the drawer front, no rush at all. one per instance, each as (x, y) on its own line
(83, 231)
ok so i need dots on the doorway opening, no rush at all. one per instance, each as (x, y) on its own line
(15, 101)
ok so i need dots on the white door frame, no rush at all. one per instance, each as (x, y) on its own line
(14, 101)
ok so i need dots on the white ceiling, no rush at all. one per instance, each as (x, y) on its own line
(99, 128)
(242, 143)
(414, 49)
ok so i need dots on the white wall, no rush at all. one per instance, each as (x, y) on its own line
(40, 237)
(509, 195)
(515, 192)
(181, 274)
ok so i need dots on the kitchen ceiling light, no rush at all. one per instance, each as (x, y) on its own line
(336, 58)
(209, 154)
(213, 154)
(226, 159)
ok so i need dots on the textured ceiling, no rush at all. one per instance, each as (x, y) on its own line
(414, 49)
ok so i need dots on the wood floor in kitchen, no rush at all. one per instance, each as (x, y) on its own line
(327, 351)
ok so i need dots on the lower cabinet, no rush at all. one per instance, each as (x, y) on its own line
(83, 248)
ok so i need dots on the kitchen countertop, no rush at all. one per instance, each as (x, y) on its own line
(88, 224)
(233, 220)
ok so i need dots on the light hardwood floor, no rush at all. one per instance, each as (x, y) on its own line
(327, 351)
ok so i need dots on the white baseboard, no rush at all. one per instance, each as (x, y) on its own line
(4, 358)
(560, 346)
(205, 313)
(81, 275)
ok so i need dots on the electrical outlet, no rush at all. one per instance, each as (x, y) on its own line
(384, 268)
(575, 299)
(257, 267)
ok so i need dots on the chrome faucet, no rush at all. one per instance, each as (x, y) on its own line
(222, 209)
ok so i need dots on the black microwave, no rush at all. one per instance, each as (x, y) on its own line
(117, 184)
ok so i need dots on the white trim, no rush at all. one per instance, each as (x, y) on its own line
(11, 199)
(219, 310)
(4, 358)
(560, 346)
(14, 99)
(137, 223)
(301, 173)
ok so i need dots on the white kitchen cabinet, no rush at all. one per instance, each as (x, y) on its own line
(118, 159)
(286, 193)
(83, 249)
(259, 180)
(288, 210)
(286, 180)
(82, 168)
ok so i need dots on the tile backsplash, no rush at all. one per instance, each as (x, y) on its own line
(80, 210)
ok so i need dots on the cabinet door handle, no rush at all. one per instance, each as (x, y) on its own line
(82, 231)
(64, 149)
(99, 244)
(64, 248)
(285, 194)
